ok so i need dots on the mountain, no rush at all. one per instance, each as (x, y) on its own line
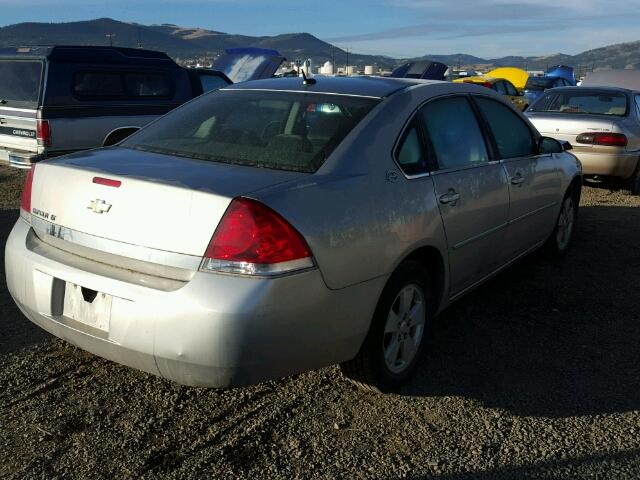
(189, 43)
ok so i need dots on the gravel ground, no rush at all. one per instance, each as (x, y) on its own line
(533, 376)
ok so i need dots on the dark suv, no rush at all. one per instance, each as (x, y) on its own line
(57, 100)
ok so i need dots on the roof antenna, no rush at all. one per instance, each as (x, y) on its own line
(307, 81)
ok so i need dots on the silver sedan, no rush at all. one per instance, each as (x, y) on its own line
(284, 225)
(601, 123)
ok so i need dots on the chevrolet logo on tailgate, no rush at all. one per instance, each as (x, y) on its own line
(99, 206)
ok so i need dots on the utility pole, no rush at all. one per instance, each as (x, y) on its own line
(110, 37)
(347, 71)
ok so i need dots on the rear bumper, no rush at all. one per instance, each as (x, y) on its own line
(607, 163)
(19, 159)
(215, 331)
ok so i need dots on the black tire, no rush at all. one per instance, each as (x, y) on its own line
(554, 246)
(369, 370)
(633, 183)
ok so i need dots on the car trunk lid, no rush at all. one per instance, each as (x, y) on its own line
(143, 199)
(568, 127)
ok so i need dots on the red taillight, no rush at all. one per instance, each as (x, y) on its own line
(255, 240)
(25, 203)
(603, 138)
(43, 132)
(107, 182)
(487, 84)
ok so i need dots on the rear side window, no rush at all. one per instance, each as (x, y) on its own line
(513, 137)
(410, 154)
(20, 82)
(147, 85)
(500, 88)
(582, 101)
(454, 133)
(511, 90)
(280, 130)
(122, 85)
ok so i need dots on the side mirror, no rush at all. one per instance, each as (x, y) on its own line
(566, 145)
(548, 145)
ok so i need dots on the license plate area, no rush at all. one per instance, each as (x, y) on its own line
(87, 306)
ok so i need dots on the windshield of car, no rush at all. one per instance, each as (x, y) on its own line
(279, 130)
(20, 82)
(539, 83)
(582, 102)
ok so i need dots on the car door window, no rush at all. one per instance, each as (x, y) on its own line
(638, 105)
(410, 154)
(454, 133)
(512, 135)
(500, 88)
(511, 90)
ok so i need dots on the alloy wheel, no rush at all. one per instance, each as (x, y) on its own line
(404, 328)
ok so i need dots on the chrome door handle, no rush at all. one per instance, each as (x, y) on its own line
(517, 180)
(450, 197)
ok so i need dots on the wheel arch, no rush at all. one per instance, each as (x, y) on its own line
(432, 260)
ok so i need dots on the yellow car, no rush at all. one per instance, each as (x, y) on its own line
(500, 85)
(516, 76)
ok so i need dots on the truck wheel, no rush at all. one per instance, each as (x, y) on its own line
(396, 339)
(560, 240)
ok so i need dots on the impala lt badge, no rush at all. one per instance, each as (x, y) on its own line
(99, 206)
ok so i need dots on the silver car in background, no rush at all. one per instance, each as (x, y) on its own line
(601, 123)
(284, 225)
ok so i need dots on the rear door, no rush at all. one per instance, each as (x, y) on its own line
(471, 190)
(20, 85)
(534, 181)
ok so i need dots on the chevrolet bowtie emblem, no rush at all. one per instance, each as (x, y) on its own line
(99, 206)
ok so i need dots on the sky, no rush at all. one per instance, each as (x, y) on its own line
(399, 28)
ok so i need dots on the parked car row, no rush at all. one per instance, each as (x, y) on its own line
(601, 118)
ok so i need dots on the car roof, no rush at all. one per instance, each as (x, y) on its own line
(589, 88)
(375, 87)
(80, 53)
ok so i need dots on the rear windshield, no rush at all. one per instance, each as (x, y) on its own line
(279, 130)
(580, 101)
(20, 83)
(539, 83)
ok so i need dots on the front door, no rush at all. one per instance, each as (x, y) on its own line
(471, 190)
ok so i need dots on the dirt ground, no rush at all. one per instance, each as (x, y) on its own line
(535, 375)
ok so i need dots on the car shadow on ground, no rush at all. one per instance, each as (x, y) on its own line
(593, 466)
(16, 331)
(549, 338)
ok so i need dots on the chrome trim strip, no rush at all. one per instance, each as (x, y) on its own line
(465, 167)
(533, 212)
(39, 247)
(25, 110)
(480, 236)
(495, 272)
(504, 225)
(75, 241)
